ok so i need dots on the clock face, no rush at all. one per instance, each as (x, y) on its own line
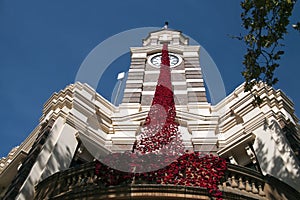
(155, 60)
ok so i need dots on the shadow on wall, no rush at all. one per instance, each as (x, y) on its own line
(282, 149)
(61, 158)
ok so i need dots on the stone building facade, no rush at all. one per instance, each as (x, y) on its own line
(261, 143)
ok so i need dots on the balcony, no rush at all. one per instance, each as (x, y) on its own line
(239, 183)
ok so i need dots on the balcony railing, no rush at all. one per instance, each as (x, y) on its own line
(239, 183)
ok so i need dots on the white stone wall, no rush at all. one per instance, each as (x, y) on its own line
(56, 155)
(275, 156)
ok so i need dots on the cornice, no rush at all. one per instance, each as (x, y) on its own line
(180, 49)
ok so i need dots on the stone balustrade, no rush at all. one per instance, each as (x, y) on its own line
(244, 181)
(238, 183)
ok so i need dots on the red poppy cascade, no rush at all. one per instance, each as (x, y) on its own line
(160, 131)
(160, 146)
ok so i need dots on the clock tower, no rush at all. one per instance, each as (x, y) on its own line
(188, 88)
(187, 80)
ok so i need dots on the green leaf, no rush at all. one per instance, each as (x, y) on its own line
(265, 23)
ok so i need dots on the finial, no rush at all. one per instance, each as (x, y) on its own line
(166, 25)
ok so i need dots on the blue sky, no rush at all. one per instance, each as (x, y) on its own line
(43, 43)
